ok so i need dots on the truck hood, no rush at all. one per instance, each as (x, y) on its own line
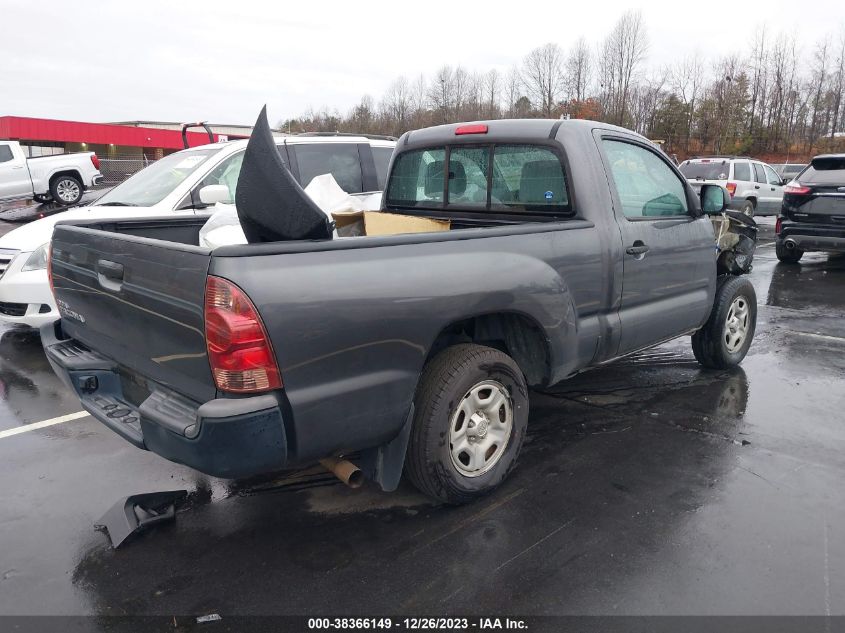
(30, 236)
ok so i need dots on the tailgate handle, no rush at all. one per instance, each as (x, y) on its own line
(109, 274)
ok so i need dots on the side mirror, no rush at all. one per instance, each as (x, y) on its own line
(212, 194)
(714, 199)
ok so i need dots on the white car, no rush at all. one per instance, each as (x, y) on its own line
(173, 184)
(62, 178)
(755, 188)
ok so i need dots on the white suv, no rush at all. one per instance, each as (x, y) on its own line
(172, 185)
(755, 188)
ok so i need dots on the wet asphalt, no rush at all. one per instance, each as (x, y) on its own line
(646, 487)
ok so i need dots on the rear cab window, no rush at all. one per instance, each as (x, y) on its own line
(520, 181)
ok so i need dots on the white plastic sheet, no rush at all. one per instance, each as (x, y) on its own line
(223, 227)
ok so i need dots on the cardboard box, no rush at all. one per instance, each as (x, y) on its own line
(356, 223)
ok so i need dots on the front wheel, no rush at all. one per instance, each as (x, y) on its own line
(725, 338)
(66, 190)
(470, 416)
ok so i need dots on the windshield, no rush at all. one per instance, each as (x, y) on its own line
(152, 184)
(706, 171)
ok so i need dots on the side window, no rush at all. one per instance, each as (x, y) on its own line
(771, 175)
(646, 185)
(528, 177)
(417, 178)
(381, 156)
(742, 171)
(226, 173)
(468, 176)
(5, 153)
(338, 159)
(759, 176)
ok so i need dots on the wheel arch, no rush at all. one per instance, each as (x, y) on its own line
(516, 334)
(67, 172)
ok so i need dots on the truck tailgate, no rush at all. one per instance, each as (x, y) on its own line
(138, 301)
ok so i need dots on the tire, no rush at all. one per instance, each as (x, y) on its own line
(716, 345)
(66, 190)
(447, 416)
(747, 208)
(787, 255)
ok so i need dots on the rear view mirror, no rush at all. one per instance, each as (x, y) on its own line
(714, 199)
(212, 194)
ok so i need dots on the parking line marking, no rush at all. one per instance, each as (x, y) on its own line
(44, 423)
(825, 337)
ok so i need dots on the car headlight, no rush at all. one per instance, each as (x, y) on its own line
(37, 260)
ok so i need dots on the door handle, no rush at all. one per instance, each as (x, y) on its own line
(110, 274)
(18, 167)
(756, 186)
(637, 249)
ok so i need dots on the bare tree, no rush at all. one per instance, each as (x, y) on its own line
(818, 83)
(492, 87)
(396, 104)
(772, 100)
(542, 73)
(838, 88)
(578, 70)
(622, 55)
(687, 79)
(513, 90)
(442, 92)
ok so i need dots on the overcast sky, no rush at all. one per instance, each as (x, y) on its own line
(179, 60)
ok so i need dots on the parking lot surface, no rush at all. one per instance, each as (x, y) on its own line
(649, 486)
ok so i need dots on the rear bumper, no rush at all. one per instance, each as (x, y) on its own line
(97, 180)
(224, 437)
(813, 237)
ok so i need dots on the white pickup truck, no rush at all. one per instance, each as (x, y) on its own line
(172, 185)
(61, 178)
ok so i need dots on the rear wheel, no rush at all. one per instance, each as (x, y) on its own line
(470, 416)
(788, 255)
(747, 208)
(66, 190)
(725, 338)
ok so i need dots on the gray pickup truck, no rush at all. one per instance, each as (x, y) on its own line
(572, 243)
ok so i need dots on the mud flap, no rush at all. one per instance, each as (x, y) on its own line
(384, 464)
(137, 512)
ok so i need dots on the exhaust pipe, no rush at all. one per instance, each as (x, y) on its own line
(790, 244)
(344, 470)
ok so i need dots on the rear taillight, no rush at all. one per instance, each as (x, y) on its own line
(471, 129)
(731, 187)
(777, 226)
(95, 161)
(239, 351)
(797, 190)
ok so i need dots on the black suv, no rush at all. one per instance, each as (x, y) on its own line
(812, 217)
